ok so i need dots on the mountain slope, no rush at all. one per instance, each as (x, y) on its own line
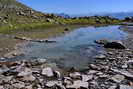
(15, 15)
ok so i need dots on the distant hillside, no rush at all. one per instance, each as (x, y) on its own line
(63, 15)
(121, 15)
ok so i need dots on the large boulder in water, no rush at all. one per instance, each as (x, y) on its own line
(115, 45)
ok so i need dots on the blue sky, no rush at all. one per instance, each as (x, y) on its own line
(80, 6)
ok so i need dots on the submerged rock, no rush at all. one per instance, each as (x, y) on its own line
(103, 41)
(100, 56)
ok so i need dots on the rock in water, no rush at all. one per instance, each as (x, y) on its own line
(103, 41)
(115, 45)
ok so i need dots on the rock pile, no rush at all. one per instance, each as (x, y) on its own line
(114, 70)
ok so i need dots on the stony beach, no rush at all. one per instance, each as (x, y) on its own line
(111, 70)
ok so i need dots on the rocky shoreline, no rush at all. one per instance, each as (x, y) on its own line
(111, 70)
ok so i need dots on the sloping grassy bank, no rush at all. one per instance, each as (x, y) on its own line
(27, 26)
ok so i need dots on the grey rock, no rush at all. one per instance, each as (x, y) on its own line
(25, 72)
(103, 41)
(57, 74)
(19, 85)
(92, 72)
(115, 45)
(48, 72)
(100, 56)
(130, 64)
(86, 78)
(118, 78)
(67, 81)
(1, 87)
(57, 84)
(122, 72)
(75, 75)
(41, 60)
(125, 87)
(113, 87)
(51, 83)
(28, 78)
(78, 84)
(94, 67)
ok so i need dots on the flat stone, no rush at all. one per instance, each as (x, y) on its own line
(29, 87)
(92, 72)
(112, 87)
(126, 87)
(39, 60)
(94, 67)
(118, 78)
(125, 73)
(19, 85)
(75, 75)
(86, 78)
(78, 84)
(48, 72)
(51, 83)
(57, 84)
(28, 78)
(100, 56)
(1, 87)
(25, 72)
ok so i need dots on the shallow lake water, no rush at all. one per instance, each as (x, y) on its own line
(75, 48)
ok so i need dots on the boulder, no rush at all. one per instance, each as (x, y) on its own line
(115, 45)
